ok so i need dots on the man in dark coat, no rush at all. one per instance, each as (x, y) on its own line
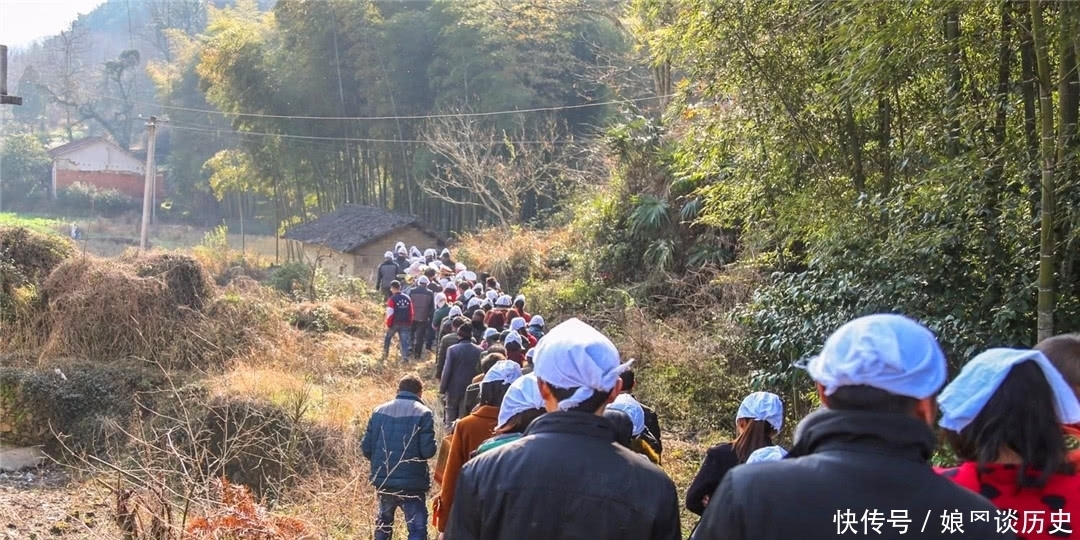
(385, 274)
(398, 441)
(402, 260)
(399, 312)
(652, 421)
(566, 478)
(423, 301)
(861, 466)
(462, 362)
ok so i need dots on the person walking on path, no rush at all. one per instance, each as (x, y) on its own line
(423, 302)
(1003, 415)
(399, 315)
(398, 441)
(760, 416)
(652, 421)
(520, 406)
(386, 274)
(864, 459)
(462, 362)
(566, 478)
(474, 429)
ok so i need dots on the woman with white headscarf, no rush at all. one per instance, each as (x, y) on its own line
(520, 406)
(760, 417)
(1002, 415)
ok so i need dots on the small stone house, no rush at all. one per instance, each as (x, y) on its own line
(101, 163)
(353, 239)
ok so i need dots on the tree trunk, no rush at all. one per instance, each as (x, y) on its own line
(1029, 92)
(952, 38)
(1045, 325)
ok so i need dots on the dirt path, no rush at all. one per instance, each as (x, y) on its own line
(46, 503)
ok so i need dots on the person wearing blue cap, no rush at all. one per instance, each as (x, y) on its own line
(759, 418)
(862, 463)
(1002, 415)
(566, 479)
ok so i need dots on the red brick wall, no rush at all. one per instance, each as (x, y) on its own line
(130, 184)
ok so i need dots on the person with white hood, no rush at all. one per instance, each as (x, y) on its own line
(385, 274)
(864, 459)
(1002, 415)
(520, 406)
(566, 478)
(633, 409)
(402, 259)
(759, 418)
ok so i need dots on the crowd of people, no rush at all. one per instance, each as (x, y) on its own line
(546, 439)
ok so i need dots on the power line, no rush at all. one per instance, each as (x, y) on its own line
(412, 117)
(205, 129)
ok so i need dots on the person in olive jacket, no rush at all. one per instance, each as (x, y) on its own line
(566, 478)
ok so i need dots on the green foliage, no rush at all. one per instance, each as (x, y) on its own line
(287, 277)
(81, 199)
(24, 170)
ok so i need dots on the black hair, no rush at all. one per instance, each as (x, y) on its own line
(410, 382)
(628, 380)
(489, 360)
(457, 322)
(519, 303)
(1020, 416)
(395, 284)
(514, 346)
(624, 426)
(492, 393)
(867, 398)
(590, 405)
(520, 421)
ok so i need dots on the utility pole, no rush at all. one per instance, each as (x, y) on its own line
(151, 179)
(5, 99)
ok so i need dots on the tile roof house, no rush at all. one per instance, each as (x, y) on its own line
(102, 163)
(353, 238)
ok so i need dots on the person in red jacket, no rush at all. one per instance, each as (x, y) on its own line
(1064, 352)
(399, 316)
(519, 308)
(1003, 415)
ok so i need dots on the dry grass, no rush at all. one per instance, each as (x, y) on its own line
(517, 255)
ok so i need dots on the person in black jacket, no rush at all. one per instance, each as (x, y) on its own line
(863, 463)
(461, 364)
(760, 416)
(566, 478)
(652, 421)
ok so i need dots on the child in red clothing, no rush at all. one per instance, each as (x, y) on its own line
(1064, 352)
(1003, 415)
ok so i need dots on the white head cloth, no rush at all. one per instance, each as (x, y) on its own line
(889, 352)
(764, 406)
(492, 295)
(469, 275)
(454, 312)
(488, 332)
(415, 252)
(523, 395)
(504, 371)
(440, 300)
(964, 398)
(576, 355)
(627, 404)
(504, 301)
(517, 323)
(768, 453)
(399, 246)
(460, 267)
(536, 320)
(512, 337)
(519, 298)
(474, 302)
(388, 255)
(468, 294)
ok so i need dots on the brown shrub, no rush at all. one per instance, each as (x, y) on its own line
(238, 517)
(188, 283)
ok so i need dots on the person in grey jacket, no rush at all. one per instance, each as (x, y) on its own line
(385, 274)
(398, 440)
(423, 302)
(462, 362)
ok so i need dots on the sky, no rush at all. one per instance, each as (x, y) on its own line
(23, 21)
